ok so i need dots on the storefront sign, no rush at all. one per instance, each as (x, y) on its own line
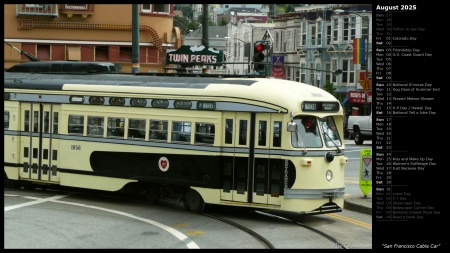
(358, 97)
(195, 54)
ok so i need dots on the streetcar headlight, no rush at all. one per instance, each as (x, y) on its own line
(329, 175)
(329, 157)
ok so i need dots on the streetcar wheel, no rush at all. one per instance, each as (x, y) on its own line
(195, 202)
(11, 183)
(26, 185)
(358, 137)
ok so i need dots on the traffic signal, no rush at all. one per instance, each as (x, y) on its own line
(258, 56)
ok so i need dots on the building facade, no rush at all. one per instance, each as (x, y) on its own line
(317, 44)
(90, 32)
(315, 41)
(319, 40)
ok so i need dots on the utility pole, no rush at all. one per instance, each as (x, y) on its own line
(135, 67)
(205, 21)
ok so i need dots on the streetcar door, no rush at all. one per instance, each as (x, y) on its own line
(39, 145)
(236, 140)
(268, 165)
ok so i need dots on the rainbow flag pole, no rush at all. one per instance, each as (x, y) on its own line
(358, 51)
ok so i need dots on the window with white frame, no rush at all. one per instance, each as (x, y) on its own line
(319, 33)
(289, 41)
(345, 30)
(318, 73)
(288, 73)
(311, 74)
(313, 35)
(328, 35)
(365, 29)
(303, 34)
(352, 27)
(147, 7)
(348, 71)
(156, 8)
(351, 74)
(335, 30)
(327, 73)
(303, 72)
(277, 41)
(334, 67)
(345, 70)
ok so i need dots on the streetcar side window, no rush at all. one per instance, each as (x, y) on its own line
(26, 127)
(76, 124)
(46, 122)
(136, 128)
(116, 127)
(36, 122)
(277, 133)
(158, 130)
(95, 125)
(262, 133)
(181, 131)
(242, 132)
(55, 122)
(204, 133)
(229, 131)
(6, 120)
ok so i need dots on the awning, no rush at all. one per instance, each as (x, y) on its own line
(344, 89)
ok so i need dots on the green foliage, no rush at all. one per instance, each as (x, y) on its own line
(223, 22)
(186, 9)
(280, 9)
(184, 24)
(118, 66)
(329, 87)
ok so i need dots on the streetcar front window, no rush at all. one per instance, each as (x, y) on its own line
(308, 131)
(330, 132)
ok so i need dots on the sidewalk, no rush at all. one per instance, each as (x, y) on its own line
(358, 203)
(354, 199)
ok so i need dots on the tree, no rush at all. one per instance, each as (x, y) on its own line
(223, 22)
(186, 9)
(330, 89)
(184, 24)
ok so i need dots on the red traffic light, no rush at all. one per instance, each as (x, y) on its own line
(259, 47)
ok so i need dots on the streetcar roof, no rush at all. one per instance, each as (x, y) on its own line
(283, 93)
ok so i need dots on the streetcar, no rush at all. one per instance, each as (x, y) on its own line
(203, 139)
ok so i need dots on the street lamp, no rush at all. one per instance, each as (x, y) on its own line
(366, 57)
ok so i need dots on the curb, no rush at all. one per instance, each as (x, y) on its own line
(357, 208)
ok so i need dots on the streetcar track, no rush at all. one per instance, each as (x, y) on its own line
(264, 241)
(336, 242)
(253, 233)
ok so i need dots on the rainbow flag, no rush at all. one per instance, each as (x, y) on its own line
(358, 50)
